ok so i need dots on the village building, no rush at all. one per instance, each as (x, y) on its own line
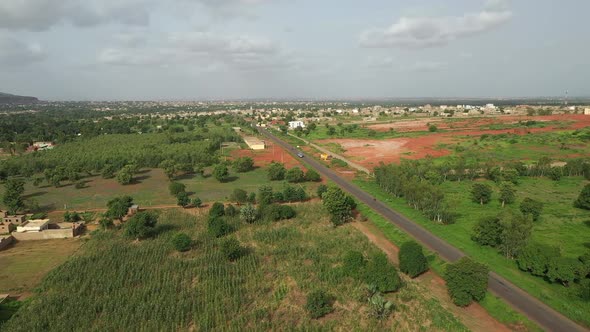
(254, 143)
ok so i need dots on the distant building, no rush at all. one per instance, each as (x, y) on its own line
(295, 124)
(6, 227)
(18, 219)
(40, 146)
(587, 111)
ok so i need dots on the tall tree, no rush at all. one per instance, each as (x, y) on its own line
(339, 205)
(13, 190)
(118, 207)
(516, 230)
(583, 201)
(466, 281)
(411, 259)
(141, 225)
(507, 193)
(481, 193)
(221, 173)
(276, 171)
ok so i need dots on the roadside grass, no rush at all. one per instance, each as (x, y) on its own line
(321, 133)
(495, 306)
(151, 189)
(555, 228)
(264, 290)
(25, 263)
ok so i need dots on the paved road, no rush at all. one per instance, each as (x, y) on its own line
(537, 311)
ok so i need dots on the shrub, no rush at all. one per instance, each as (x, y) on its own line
(339, 205)
(276, 171)
(80, 184)
(243, 164)
(218, 227)
(466, 281)
(564, 270)
(583, 201)
(181, 242)
(217, 210)
(231, 211)
(182, 199)
(197, 202)
(321, 190)
(412, 260)
(141, 225)
(319, 304)
(536, 258)
(382, 274)
(295, 175)
(488, 231)
(248, 213)
(584, 290)
(354, 264)
(531, 207)
(432, 128)
(239, 196)
(312, 175)
(221, 173)
(176, 188)
(232, 249)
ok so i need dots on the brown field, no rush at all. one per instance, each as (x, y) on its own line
(25, 263)
(263, 158)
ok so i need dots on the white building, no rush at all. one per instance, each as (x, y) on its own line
(35, 225)
(490, 106)
(295, 124)
(587, 111)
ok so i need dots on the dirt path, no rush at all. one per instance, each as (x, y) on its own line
(475, 317)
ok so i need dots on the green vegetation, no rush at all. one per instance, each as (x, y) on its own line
(339, 205)
(182, 242)
(283, 265)
(467, 281)
(412, 260)
(319, 304)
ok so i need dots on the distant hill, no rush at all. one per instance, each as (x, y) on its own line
(6, 98)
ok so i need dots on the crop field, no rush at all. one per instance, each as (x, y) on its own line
(24, 264)
(560, 225)
(118, 284)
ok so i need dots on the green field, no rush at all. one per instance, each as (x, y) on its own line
(156, 288)
(560, 225)
(150, 189)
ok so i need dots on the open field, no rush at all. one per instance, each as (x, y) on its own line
(163, 290)
(24, 264)
(501, 145)
(560, 225)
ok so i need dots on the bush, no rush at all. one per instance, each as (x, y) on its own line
(466, 281)
(221, 173)
(248, 213)
(312, 175)
(181, 242)
(295, 175)
(583, 201)
(217, 210)
(382, 274)
(239, 196)
(243, 164)
(536, 258)
(584, 290)
(354, 264)
(182, 199)
(231, 211)
(80, 184)
(531, 207)
(197, 202)
(339, 205)
(218, 227)
(488, 231)
(141, 225)
(276, 171)
(321, 190)
(232, 249)
(432, 128)
(412, 260)
(319, 304)
(176, 188)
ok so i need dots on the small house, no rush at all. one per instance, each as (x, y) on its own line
(34, 225)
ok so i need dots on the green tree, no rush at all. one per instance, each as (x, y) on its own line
(141, 225)
(312, 176)
(183, 200)
(197, 202)
(564, 270)
(536, 258)
(221, 173)
(322, 188)
(488, 231)
(507, 193)
(412, 260)
(319, 304)
(265, 195)
(516, 231)
(531, 207)
(218, 227)
(354, 264)
(339, 205)
(481, 193)
(217, 210)
(295, 175)
(382, 274)
(243, 164)
(466, 281)
(106, 223)
(117, 207)
(232, 249)
(169, 167)
(583, 201)
(276, 171)
(13, 191)
(181, 242)
(239, 196)
(176, 188)
(432, 128)
(125, 175)
(108, 171)
(248, 213)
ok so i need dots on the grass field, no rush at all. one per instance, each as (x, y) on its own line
(24, 264)
(156, 288)
(560, 225)
(151, 189)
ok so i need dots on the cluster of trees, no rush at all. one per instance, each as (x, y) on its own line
(418, 186)
(277, 172)
(508, 232)
(243, 164)
(183, 199)
(467, 281)
(546, 261)
(266, 195)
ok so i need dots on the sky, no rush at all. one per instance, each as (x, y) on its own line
(293, 49)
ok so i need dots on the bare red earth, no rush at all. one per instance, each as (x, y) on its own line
(265, 157)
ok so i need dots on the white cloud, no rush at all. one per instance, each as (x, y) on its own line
(425, 66)
(39, 15)
(420, 32)
(16, 53)
(380, 62)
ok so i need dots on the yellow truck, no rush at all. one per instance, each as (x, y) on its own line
(325, 156)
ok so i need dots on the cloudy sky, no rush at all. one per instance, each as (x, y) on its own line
(216, 49)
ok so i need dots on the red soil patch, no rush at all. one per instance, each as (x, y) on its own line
(264, 157)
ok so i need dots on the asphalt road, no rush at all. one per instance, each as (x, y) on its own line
(534, 309)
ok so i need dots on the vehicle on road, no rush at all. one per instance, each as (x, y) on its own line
(299, 154)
